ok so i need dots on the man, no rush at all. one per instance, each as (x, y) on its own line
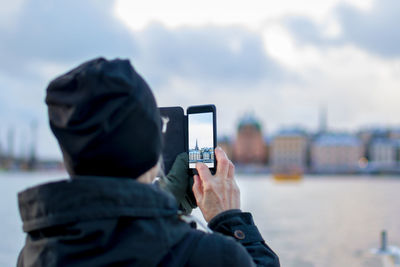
(107, 123)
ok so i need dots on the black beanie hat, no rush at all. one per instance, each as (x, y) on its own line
(105, 119)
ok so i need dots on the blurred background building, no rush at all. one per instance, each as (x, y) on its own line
(26, 159)
(383, 153)
(249, 146)
(372, 150)
(336, 153)
(289, 151)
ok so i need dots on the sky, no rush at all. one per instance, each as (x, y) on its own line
(200, 129)
(283, 61)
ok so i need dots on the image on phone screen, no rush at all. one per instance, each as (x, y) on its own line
(200, 126)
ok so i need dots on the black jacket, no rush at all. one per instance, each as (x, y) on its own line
(93, 221)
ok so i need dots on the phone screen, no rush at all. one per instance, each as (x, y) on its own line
(201, 139)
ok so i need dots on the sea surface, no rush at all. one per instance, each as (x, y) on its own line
(320, 221)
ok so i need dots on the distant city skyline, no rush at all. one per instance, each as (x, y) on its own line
(293, 150)
(23, 139)
(201, 154)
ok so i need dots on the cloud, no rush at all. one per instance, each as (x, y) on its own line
(69, 32)
(48, 38)
(209, 54)
(374, 29)
(65, 31)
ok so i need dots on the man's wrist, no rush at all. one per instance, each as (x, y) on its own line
(237, 224)
(222, 215)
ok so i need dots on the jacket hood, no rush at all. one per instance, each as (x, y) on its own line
(112, 220)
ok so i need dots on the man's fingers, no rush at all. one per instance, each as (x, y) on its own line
(231, 170)
(223, 163)
(204, 172)
(197, 188)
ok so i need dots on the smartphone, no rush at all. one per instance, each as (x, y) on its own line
(202, 136)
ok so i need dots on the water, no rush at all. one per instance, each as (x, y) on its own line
(321, 221)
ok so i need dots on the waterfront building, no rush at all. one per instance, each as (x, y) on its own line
(204, 154)
(207, 154)
(368, 135)
(289, 151)
(394, 134)
(336, 153)
(249, 146)
(383, 153)
(195, 154)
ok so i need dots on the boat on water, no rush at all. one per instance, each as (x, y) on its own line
(287, 174)
(290, 177)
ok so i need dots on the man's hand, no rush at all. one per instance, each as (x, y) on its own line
(216, 193)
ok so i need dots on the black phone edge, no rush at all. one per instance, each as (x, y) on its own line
(203, 109)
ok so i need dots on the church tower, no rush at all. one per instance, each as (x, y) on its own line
(323, 124)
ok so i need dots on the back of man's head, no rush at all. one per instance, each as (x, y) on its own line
(105, 119)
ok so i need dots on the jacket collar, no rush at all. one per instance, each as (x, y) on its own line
(89, 198)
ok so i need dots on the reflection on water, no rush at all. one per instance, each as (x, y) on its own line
(321, 221)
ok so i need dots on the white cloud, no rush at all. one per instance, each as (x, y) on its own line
(279, 44)
(331, 28)
(252, 13)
